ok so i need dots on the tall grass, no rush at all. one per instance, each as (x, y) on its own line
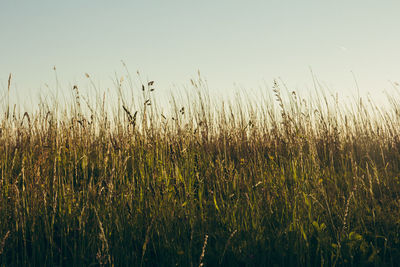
(280, 180)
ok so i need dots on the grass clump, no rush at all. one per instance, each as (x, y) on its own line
(283, 181)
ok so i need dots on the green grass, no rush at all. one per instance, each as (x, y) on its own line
(285, 182)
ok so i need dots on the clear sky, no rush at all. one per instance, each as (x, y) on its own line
(243, 42)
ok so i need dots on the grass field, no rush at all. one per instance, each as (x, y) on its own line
(283, 181)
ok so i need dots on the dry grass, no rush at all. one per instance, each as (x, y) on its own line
(283, 180)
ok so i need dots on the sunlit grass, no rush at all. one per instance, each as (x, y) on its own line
(283, 180)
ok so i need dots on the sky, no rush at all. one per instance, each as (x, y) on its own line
(234, 44)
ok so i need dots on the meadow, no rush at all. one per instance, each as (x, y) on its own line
(283, 180)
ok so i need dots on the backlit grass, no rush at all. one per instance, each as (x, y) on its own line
(281, 181)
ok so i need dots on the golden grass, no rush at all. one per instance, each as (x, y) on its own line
(289, 181)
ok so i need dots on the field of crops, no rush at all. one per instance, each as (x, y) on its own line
(283, 181)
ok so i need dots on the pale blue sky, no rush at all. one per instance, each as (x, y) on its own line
(242, 42)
